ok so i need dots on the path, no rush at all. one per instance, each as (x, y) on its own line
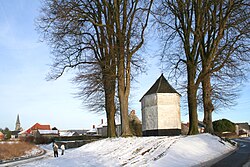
(240, 158)
(47, 153)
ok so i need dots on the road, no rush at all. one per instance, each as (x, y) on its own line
(240, 158)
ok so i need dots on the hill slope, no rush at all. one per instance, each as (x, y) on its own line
(143, 151)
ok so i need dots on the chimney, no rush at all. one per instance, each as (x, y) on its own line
(93, 126)
(132, 112)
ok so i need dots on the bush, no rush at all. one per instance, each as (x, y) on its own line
(223, 125)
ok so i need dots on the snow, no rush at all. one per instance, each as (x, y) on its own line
(66, 133)
(175, 151)
(33, 152)
(44, 132)
(8, 142)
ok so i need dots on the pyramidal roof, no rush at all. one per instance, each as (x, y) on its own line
(161, 85)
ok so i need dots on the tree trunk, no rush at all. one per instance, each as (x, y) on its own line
(123, 92)
(207, 104)
(124, 116)
(192, 102)
(110, 111)
(109, 88)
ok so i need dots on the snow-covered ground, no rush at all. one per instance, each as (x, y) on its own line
(140, 151)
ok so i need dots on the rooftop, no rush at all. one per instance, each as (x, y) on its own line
(161, 85)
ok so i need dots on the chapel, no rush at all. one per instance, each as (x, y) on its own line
(160, 107)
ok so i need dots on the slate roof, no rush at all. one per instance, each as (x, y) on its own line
(161, 85)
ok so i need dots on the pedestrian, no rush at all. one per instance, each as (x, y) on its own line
(62, 148)
(55, 149)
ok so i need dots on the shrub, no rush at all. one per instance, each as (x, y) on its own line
(223, 125)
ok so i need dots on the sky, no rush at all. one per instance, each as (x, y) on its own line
(24, 65)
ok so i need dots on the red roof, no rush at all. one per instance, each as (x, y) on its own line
(38, 126)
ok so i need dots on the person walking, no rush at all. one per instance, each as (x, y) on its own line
(55, 149)
(63, 148)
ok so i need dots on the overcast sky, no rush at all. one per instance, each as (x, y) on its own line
(25, 62)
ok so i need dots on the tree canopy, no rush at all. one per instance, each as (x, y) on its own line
(223, 125)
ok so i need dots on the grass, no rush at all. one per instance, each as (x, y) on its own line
(14, 149)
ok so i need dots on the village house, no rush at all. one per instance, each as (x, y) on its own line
(1, 136)
(81, 132)
(46, 133)
(68, 133)
(14, 135)
(39, 134)
(102, 129)
(33, 130)
(160, 107)
(185, 127)
(72, 132)
(242, 129)
(92, 131)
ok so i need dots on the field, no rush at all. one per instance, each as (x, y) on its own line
(13, 149)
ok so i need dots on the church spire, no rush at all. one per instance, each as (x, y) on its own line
(18, 124)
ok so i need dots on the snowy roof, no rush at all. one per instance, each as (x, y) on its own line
(92, 130)
(80, 132)
(67, 133)
(46, 132)
(161, 85)
(102, 125)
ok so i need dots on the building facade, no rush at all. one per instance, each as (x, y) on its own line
(161, 110)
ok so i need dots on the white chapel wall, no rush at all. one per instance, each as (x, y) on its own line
(149, 112)
(168, 111)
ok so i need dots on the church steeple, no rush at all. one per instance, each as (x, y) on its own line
(18, 124)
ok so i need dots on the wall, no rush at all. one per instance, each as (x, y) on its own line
(149, 112)
(168, 111)
(161, 111)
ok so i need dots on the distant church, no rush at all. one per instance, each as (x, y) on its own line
(18, 124)
(161, 110)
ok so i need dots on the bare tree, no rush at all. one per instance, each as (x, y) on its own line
(131, 19)
(179, 22)
(214, 37)
(224, 46)
(99, 38)
(81, 35)
(91, 89)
